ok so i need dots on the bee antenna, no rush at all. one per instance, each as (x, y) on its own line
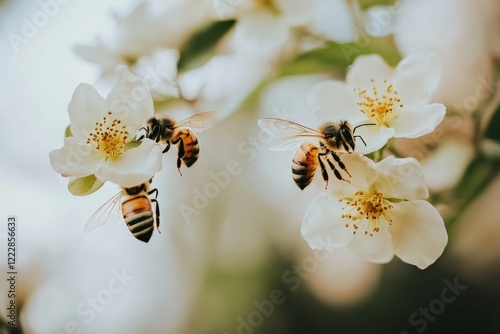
(354, 130)
(361, 137)
(145, 129)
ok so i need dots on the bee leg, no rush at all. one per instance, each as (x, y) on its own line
(166, 148)
(336, 172)
(180, 153)
(340, 163)
(324, 173)
(157, 207)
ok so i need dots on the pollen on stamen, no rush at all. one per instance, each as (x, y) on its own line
(379, 108)
(367, 208)
(109, 139)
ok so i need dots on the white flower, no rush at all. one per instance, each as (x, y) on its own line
(224, 82)
(379, 214)
(101, 130)
(269, 24)
(147, 41)
(442, 26)
(395, 100)
(159, 72)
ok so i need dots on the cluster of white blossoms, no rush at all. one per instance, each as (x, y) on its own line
(102, 142)
(382, 210)
(379, 213)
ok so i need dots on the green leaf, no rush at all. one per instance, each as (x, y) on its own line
(331, 57)
(67, 132)
(86, 185)
(334, 56)
(365, 4)
(477, 177)
(492, 131)
(132, 144)
(326, 58)
(478, 174)
(197, 49)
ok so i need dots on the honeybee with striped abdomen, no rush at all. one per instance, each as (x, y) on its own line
(332, 137)
(168, 131)
(136, 210)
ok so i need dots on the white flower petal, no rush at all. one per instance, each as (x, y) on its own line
(445, 166)
(85, 109)
(133, 167)
(332, 20)
(417, 77)
(334, 100)
(296, 12)
(380, 20)
(418, 233)
(413, 123)
(322, 226)
(130, 101)
(363, 174)
(76, 158)
(376, 248)
(367, 68)
(374, 136)
(401, 178)
(262, 29)
(159, 72)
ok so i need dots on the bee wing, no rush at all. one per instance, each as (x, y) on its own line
(107, 211)
(287, 134)
(197, 122)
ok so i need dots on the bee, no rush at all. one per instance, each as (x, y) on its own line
(168, 131)
(136, 210)
(333, 137)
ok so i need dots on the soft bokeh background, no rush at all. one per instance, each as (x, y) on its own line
(239, 265)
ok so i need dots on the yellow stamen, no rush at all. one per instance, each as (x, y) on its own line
(379, 108)
(369, 207)
(109, 138)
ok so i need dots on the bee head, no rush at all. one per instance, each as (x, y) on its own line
(338, 136)
(153, 129)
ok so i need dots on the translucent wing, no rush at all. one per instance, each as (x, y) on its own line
(287, 135)
(197, 122)
(107, 211)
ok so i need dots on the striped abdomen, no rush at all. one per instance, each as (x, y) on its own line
(190, 149)
(139, 217)
(304, 164)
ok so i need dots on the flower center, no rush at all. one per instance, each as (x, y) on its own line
(378, 107)
(268, 4)
(109, 138)
(369, 207)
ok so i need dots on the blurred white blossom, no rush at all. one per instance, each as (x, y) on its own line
(159, 72)
(379, 214)
(224, 82)
(264, 25)
(448, 24)
(147, 41)
(343, 279)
